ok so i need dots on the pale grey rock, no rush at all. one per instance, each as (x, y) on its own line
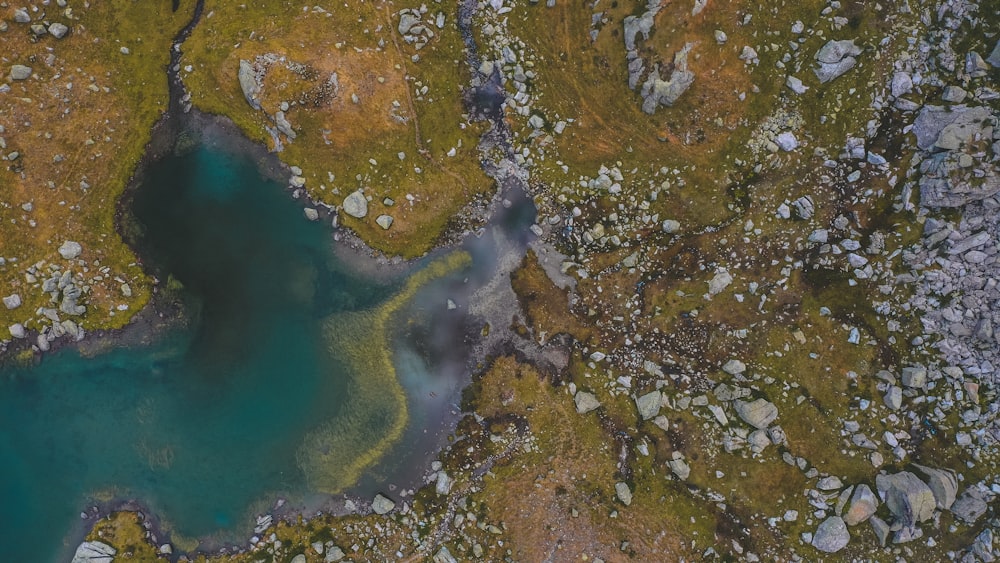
(284, 125)
(382, 505)
(759, 413)
(970, 506)
(680, 468)
(585, 402)
(909, 499)
(17, 330)
(671, 226)
(719, 282)
(914, 377)
(356, 205)
(311, 214)
(635, 26)
(954, 124)
(880, 528)
(893, 397)
(94, 552)
(442, 484)
(58, 30)
(21, 15)
(334, 554)
(734, 367)
(649, 405)
(943, 483)
(835, 51)
(954, 94)
(863, 505)
(795, 85)
(249, 84)
(444, 556)
(623, 493)
(827, 72)
(407, 20)
(786, 141)
(12, 301)
(831, 483)
(20, 72)
(831, 536)
(384, 221)
(70, 250)
(300, 558)
(901, 85)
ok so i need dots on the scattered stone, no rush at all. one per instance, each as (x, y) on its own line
(70, 250)
(249, 84)
(585, 402)
(831, 536)
(759, 413)
(20, 72)
(786, 141)
(384, 221)
(880, 528)
(970, 506)
(623, 493)
(835, 58)
(954, 94)
(831, 483)
(734, 367)
(893, 397)
(719, 282)
(356, 205)
(382, 505)
(17, 330)
(21, 16)
(12, 301)
(914, 377)
(680, 468)
(671, 226)
(58, 30)
(649, 405)
(795, 85)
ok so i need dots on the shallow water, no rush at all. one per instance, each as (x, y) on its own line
(204, 424)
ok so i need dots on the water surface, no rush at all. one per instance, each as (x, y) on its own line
(205, 424)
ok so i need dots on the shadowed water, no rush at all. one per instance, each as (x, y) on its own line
(207, 421)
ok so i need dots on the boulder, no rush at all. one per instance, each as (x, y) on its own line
(719, 282)
(970, 506)
(20, 72)
(284, 126)
(382, 505)
(22, 16)
(880, 528)
(994, 58)
(384, 221)
(300, 558)
(734, 367)
(311, 214)
(915, 377)
(585, 402)
(58, 30)
(12, 301)
(759, 413)
(94, 552)
(957, 123)
(406, 21)
(17, 330)
(356, 205)
(70, 250)
(863, 505)
(671, 226)
(786, 141)
(680, 468)
(827, 72)
(831, 536)
(249, 84)
(943, 484)
(623, 493)
(649, 405)
(836, 51)
(909, 499)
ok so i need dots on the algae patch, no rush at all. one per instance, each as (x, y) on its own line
(375, 413)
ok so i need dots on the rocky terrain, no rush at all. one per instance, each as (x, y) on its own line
(764, 270)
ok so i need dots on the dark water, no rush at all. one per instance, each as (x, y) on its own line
(202, 426)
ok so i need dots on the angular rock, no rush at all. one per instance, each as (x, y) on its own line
(585, 402)
(970, 506)
(759, 413)
(70, 250)
(20, 72)
(893, 397)
(863, 505)
(720, 282)
(382, 505)
(826, 72)
(831, 536)
(734, 367)
(12, 301)
(58, 30)
(623, 493)
(384, 221)
(649, 405)
(671, 226)
(680, 468)
(994, 58)
(880, 528)
(786, 141)
(22, 16)
(17, 330)
(311, 214)
(94, 552)
(914, 377)
(356, 205)
(831, 483)
(909, 499)
(960, 122)
(836, 51)
(249, 84)
(943, 484)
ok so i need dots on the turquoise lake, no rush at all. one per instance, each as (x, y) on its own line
(202, 426)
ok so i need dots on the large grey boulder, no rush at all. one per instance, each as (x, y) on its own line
(284, 125)
(356, 205)
(384, 221)
(831, 536)
(863, 505)
(623, 493)
(635, 26)
(585, 402)
(970, 506)
(938, 125)
(835, 58)
(994, 58)
(382, 505)
(12, 301)
(70, 250)
(94, 552)
(943, 484)
(909, 499)
(649, 405)
(759, 413)
(249, 84)
(22, 16)
(17, 330)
